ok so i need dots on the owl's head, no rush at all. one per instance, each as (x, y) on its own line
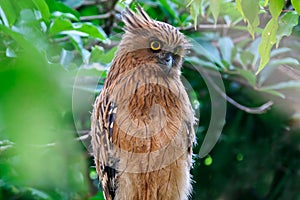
(151, 41)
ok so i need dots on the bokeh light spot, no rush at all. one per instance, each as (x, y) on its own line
(208, 160)
(239, 157)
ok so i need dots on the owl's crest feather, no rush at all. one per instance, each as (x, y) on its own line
(137, 20)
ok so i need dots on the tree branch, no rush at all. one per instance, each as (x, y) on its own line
(93, 17)
(256, 110)
(206, 26)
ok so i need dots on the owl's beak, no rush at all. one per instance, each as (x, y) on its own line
(167, 59)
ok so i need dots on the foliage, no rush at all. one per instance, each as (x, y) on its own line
(250, 12)
(54, 57)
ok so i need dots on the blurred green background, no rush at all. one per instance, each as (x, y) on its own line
(54, 57)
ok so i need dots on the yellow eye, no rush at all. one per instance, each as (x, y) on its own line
(155, 45)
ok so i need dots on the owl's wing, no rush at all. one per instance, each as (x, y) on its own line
(104, 115)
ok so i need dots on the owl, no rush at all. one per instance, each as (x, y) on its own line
(142, 120)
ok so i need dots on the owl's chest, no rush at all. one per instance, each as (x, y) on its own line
(146, 98)
(150, 113)
(153, 101)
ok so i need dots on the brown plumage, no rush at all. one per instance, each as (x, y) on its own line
(142, 122)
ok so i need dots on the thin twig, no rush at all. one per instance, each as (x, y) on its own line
(256, 110)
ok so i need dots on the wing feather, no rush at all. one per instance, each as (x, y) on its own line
(104, 115)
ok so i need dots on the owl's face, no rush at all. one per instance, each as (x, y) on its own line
(152, 42)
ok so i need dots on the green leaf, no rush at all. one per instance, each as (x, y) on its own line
(66, 58)
(269, 34)
(253, 49)
(273, 92)
(25, 44)
(108, 57)
(3, 18)
(98, 196)
(296, 5)
(266, 3)
(286, 24)
(74, 32)
(77, 42)
(239, 7)
(246, 57)
(283, 85)
(170, 7)
(60, 24)
(7, 12)
(268, 40)
(56, 6)
(201, 63)
(228, 11)
(195, 10)
(250, 11)
(58, 14)
(215, 8)
(43, 8)
(280, 86)
(226, 47)
(248, 75)
(10, 10)
(89, 11)
(284, 61)
(279, 51)
(90, 29)
(96, 54)
(276, 7)
(65, 26)
(208, 51)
